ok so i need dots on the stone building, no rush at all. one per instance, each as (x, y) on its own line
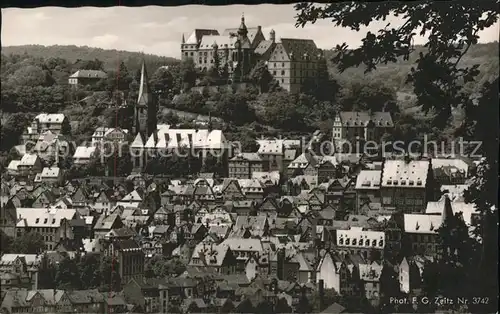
(290, 61)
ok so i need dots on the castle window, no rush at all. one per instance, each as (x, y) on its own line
(282, 72)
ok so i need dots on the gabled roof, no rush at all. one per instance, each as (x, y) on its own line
(50, 117)
(422, 223)
(50, 172)
(43, 217)
(28, 160)
(97, 74)
(197, 34)
(296, 49)
(368, 180)
(399, 173)
(83, 152)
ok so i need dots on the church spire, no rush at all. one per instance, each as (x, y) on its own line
(145, 109)
(144, 91)
(183, 39)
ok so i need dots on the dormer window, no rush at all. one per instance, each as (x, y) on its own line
(374, 242)
(381, 243)
(347, 241)
(367, 242)
(37, 220)
(354, 241)
(45, 220)
(341, 241)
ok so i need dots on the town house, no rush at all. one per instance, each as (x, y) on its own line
(53, 224)
(219, 258)
(407, 185)
(243, 165)
(367, 188)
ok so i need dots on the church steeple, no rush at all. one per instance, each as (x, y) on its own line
(145, 109)
(183, 39)
(144, 91)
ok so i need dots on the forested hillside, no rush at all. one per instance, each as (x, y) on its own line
(394, 74)
(110, 58)
(35, 79)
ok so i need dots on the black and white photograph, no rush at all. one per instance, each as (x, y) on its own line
(292, 157)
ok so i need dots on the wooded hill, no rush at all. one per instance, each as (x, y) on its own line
(110, 58)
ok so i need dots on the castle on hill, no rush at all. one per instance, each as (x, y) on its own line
(290, 61)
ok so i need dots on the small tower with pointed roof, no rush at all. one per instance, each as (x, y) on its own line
(272, 36)
(242, 30)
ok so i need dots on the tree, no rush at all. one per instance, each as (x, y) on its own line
(245, 306)
(110, 278)
(162, 82)
(368, 96)
(160, 267)
(5, 242)
(88, 269)
(67, 275)
(95, 64)
(282, 306)
(234, 108)
(261, 76)
(31, 76)
(188, 73)
(28, 243)
(304, 306)
(12, 129)
(264, 307)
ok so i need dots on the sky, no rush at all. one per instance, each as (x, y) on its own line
(158, 30)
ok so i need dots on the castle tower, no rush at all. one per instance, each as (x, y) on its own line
(145, 110)
(242, 30)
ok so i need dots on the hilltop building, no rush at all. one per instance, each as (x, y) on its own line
(290, 61)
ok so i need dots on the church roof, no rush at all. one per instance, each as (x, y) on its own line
(138, 141)
(197, 34)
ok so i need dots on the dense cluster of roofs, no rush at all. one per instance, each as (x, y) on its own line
(279, 224)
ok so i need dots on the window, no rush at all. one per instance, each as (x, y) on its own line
(347, 241)
(282, 72)
(283, 64)
(274, 72)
